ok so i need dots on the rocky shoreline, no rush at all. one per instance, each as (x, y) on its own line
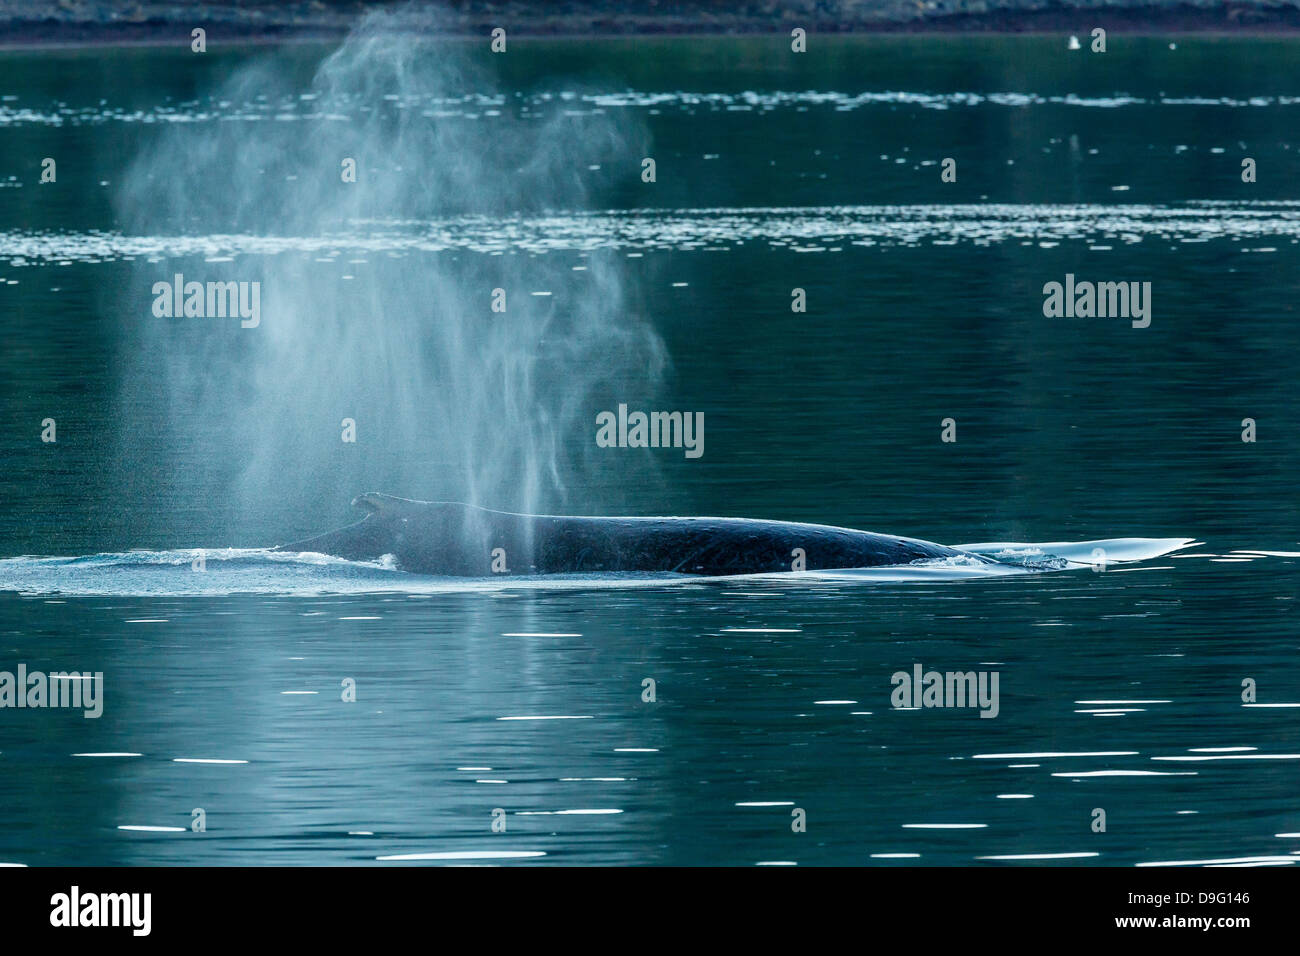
(82, 22)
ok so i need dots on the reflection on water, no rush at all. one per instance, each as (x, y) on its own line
(531, 703)
(818, 229)
(485, 106)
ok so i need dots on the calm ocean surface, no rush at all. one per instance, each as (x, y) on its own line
(186, 437)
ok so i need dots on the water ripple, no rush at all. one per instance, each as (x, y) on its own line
(798, 229)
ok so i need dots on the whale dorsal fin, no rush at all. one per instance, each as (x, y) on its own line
(375, 503)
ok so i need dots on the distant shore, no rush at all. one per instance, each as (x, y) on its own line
(72, 23)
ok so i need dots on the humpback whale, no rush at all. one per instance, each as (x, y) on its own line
(448, 538)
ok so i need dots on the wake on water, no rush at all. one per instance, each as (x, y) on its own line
(216, 572)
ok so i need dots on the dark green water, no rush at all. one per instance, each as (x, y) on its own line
(773, 172)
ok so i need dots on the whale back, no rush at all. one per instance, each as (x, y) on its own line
(451, 538)
(716, 546)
